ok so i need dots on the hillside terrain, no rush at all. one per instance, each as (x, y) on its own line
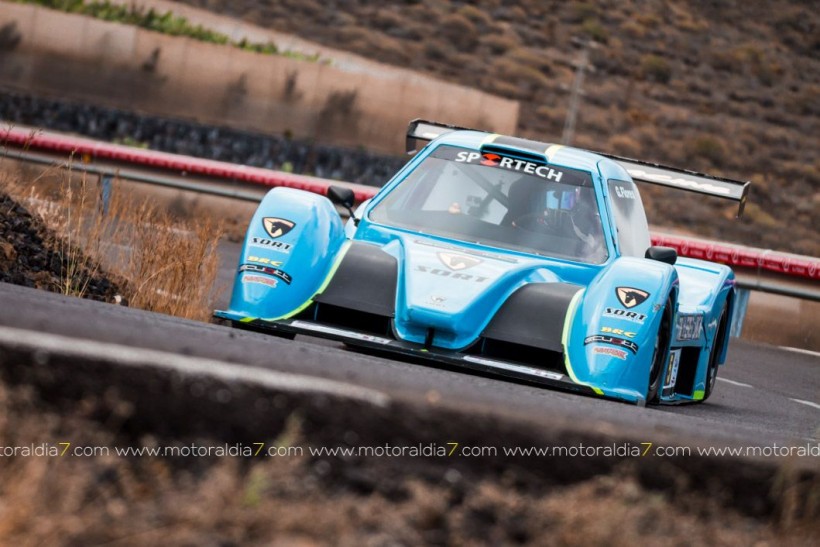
(731, 88)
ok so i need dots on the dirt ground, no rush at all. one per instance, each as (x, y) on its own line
(306, 500)
(32, 256)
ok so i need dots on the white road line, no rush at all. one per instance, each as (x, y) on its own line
(128, 356)
(808, 403)
(741, 384)
(801, 350)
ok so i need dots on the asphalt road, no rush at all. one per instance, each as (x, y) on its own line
(766, 394)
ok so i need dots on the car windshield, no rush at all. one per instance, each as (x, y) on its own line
(501, 201)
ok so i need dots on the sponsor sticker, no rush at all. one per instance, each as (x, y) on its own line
(277, 227)
(263, 260)
(612, 340)
(276, 272)
(619, 332)
(502, 162)
(631, 297)
(260, 279)
(625, 314)
(689, 327)
(270, 245)
(671, 372)
(679, 181)
(624, 193)
(612, 352)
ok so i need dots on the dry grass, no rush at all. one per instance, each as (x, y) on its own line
(173, 264)
(164, 262)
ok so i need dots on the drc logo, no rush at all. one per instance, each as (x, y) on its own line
(630, 297)
(277, 227)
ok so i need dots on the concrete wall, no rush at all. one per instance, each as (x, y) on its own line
(344, 101)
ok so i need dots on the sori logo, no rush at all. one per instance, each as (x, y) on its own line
(458, 262)
(270, 244)
(452, 275)
(277, 227)
(625, 314)
(631, 297)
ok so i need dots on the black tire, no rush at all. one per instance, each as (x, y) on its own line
(659, 356)
(711, 372)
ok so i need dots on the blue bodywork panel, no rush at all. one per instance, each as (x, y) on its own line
(592, 326)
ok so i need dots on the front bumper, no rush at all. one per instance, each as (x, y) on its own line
(415, 352)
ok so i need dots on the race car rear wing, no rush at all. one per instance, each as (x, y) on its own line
(640, 171)
(652, 173)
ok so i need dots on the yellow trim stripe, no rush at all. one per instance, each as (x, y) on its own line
(698, 395)
(573, 305)
(552, 149)
(325, 283)
(488, 139)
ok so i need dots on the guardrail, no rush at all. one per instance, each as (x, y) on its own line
(87, 150)
(758, 269)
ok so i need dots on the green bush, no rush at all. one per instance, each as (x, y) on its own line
(595, 30)
(165, 23)
(581, 11)
(655, 68)
(498, 44)
(478, 17)
(709, 148)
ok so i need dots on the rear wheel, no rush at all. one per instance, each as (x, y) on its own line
(711, 372)
(659, 355)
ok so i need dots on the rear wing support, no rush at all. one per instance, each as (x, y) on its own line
(652, 173)
(423, 130)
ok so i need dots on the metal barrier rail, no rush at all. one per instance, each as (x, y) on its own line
(743, 257)
(86, 150)
(795, 276)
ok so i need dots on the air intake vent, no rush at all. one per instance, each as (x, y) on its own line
(353, 319)
(517, 353)
(518, 154)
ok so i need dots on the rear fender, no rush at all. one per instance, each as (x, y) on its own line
(292, 245)
(730, 312)
(610, 343)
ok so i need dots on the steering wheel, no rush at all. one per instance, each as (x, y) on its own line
(536, 222)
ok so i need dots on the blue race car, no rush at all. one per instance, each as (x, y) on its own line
(500, 255)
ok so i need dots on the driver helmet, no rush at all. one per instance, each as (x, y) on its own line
(527, 196)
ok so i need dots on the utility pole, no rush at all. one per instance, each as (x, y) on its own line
(575, 98)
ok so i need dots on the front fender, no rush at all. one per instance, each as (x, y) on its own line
(610, 340)
(292, 244)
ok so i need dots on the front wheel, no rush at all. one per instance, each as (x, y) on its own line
(659, 355)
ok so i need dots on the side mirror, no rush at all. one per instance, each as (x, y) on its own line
(662, 254)
(344, 197)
